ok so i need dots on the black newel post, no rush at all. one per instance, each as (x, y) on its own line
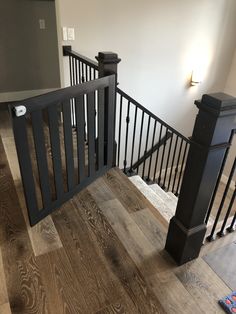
(213, 125)
(107, 65)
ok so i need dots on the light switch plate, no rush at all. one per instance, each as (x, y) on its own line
(42, 24)
(64, 33)
(71, 33)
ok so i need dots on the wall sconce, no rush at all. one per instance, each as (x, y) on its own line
(196, 77)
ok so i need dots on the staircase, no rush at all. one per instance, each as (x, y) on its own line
(164, 202)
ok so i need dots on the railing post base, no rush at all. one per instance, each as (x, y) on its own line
(182, 244)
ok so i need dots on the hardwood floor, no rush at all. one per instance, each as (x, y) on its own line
(101, 252)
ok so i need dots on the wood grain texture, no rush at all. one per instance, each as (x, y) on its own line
(172, 294)
(101, 191)
(122, 306)
(98, 286)
(127, 194)
(144, 254)
(150, 226)
(3, 288)
(203, 284)
(120, 263)
(25, 290)
(5, 309)
(43, 236)
(63, 291)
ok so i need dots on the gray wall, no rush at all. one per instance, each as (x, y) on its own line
(28, 55)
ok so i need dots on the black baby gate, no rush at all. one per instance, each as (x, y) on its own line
(56, 160)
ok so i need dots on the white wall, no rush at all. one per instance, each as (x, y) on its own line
(231, 82)
(160, 42)
(230, 89)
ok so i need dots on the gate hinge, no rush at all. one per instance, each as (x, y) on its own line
(19, 111)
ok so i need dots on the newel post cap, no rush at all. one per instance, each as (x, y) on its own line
(107, 57)
(217, 103)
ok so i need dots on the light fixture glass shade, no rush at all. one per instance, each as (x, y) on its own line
(197, 76)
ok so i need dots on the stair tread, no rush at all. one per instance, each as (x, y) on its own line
(174, 197)
(159, 191)
(167, 209)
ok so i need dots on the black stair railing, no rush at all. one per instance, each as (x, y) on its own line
(146, 145)
(221, 215)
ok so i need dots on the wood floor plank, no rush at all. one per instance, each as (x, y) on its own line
(61, 285)
(5, 125)
(153, 230)
(145, 255)
(120, 307)
(126, 192)
(100, 191)
(24, 287)
(129, 195)
(10, 149)
(203, 284)
(99, 287)
(3, 288)
(5, 309)
(121, 264)
(172, 294)
(43, 236)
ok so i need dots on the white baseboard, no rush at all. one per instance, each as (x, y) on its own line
(21, 95)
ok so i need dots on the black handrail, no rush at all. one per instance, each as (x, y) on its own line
(138, 131)
(68, 52)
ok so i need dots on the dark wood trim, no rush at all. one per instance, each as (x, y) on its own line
(212, 131)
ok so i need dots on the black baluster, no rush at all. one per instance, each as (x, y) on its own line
(127, 136)
(150, 162)
(162, 158)
(181, 169)
(119, 138)
(140, 139)
(177, 167)
(222, 230)
(76, 72)
(172, 164)
(133, 142)
(146, 146)
(167, 162)
(82, 77)
(157, 156)
(70, 62)
(86, 73)
(232, 226)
